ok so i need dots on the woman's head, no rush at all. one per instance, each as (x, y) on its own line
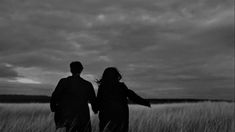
(110, 75)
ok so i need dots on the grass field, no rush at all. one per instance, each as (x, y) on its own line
(187, 117)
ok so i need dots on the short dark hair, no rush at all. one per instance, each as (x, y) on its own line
(76, 67)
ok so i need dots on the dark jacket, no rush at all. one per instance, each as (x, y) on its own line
(113, 106)
(70, 100)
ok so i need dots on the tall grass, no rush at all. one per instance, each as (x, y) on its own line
(194, 117)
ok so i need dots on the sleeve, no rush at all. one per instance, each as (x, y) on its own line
(92, 99)
(56, 95)
(136, 98)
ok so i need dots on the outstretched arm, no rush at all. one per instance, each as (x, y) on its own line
(56, 95)
(136, 98)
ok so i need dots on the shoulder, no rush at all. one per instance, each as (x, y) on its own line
(123, 85)
(86, 82)
(64, 80)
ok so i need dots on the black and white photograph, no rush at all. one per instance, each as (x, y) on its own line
(117, 66)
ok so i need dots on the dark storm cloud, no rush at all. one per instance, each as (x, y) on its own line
(157, 44)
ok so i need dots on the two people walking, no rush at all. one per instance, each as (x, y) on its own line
(71, 96)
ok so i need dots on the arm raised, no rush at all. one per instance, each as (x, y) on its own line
(136, 98)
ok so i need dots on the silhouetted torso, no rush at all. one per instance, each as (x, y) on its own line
(113, 106)
(70, 103)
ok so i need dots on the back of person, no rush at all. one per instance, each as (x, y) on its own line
(112, 99)
(70, 100)
(113, 107)
(76, 94)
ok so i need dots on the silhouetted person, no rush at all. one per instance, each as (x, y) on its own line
(112, 102)
(70, 100)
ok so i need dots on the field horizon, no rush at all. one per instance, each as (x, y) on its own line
(20, 98)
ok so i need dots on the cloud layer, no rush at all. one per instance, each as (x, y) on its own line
(170, 48)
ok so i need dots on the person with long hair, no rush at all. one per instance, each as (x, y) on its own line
(112, 99)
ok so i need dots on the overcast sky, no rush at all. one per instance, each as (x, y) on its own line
(163, 48)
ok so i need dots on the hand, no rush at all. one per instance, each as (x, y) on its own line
(148, 104)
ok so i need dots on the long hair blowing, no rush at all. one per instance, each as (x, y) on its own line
(110, 75)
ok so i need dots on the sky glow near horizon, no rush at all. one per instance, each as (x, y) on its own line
(163, 48)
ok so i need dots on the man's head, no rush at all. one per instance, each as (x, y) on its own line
(76, 67)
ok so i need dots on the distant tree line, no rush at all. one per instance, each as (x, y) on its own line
(24, 99)
(46, 99)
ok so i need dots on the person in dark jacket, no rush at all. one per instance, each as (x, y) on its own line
(70, 100)
(112, 102)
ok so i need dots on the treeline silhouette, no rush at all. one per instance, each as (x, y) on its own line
(46, 99)
(24, 99)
